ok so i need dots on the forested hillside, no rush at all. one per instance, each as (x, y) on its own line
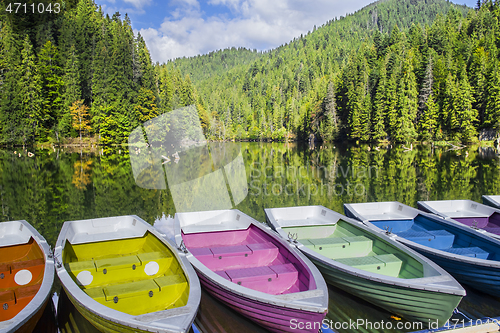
(398, 70)
(79, 72)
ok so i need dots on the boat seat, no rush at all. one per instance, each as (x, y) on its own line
(138, 297)
(35, 266)
(340, 247)
(117, 263)
(168, 281)
(386, 264)
(473, 252)
(97, 294)
(231, 251)
(78, 266)
(131, 289)
(123, 268)
(29, 291)
(443, 239)
(274, 279)
(394, 226)
(18, 265)
(236, 256)
(8, 298)
(437, 239)
(172, 287)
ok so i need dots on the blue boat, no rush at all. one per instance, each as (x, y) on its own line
(471, 257)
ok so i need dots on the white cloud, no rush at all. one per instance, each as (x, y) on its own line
(260, 24)
(139, 4)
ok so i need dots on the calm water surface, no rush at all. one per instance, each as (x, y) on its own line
(56, 186)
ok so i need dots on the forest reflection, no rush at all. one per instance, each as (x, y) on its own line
(55, 186)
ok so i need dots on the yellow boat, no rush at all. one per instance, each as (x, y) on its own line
(123, 276)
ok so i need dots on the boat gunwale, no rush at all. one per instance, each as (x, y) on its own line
(432, 210)
(43, 293)
(183, 321)
(396, 281)
(491, 200)
(444, 254)
(305, 304)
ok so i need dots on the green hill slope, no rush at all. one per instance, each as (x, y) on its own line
(388, 71)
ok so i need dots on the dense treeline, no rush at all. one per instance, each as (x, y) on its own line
(396, 70)
(79, 71)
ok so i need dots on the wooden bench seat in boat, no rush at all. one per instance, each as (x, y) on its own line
(121, 268)
(386, 264)
(274, 279)
(474, 252)
(35, 267)
(236, 256)
(15, 300)
(340, 247)
(437, 239)
(164, 290)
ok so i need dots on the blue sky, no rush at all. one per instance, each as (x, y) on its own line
(178, 28)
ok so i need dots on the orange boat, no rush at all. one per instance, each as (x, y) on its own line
(26, 276)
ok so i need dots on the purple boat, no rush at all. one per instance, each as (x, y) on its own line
(244, 264)
(484, 218)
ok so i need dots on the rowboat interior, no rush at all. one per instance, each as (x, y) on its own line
(135, 275)
(423, 230)
(250, 258)
(21, 274)
(351, 246)
(468, 213)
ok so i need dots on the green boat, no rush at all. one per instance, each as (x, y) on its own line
(123, 276)
(371, 266)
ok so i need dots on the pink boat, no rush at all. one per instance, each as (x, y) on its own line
(244, 264)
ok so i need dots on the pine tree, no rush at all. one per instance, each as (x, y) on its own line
(72, 91)
(466, 113)
(448, 114)
(146, 75)
(9, 74)
(145, 107)
(166, 89)
(52, 85)
(329, 126)
(426, 90)
(379, 108)
(427, 123)
(479, 82)
(187, 96)
(30, 94)
(86, 27)
(101, 80)
(492, 112)
(406, 106)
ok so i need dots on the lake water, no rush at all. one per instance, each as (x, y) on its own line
(56, 185)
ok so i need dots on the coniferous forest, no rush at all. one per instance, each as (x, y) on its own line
(396, 70)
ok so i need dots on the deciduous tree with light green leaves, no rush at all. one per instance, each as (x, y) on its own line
(80, 115)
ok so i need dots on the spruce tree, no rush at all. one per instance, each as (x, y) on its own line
(52, 85)
(379, 107)
(29, 90)
(72, 90)
(465, 100)
(492, 112)
(9, 74)
(406, 106)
